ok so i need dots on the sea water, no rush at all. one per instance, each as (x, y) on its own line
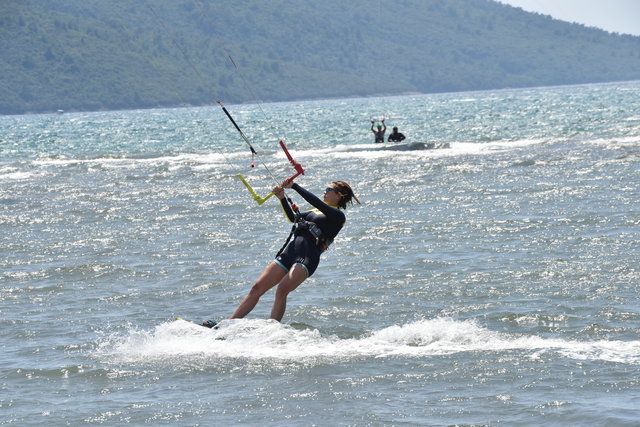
(493, 282)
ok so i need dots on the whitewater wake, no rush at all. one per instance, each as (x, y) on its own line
(269, 340)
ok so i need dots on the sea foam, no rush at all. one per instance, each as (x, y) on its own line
(265, 339)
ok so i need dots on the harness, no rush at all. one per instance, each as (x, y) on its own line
(311, 229)
(302, 227)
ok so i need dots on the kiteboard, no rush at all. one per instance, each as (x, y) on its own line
(202, 324)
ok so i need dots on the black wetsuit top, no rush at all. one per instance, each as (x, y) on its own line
(305, 248)
(396, 137)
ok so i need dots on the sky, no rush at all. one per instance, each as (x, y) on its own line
(620, 16)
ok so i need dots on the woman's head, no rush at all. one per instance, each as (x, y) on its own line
(339, 193)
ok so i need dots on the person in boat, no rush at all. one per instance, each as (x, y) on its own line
(313, 232)
(396, 136)
(379, 133)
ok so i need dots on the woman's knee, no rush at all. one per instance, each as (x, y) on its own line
(283, 290)
(267, 280)
(258, 289)
(291, 281)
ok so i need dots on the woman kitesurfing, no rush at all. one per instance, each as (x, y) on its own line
(312, 234)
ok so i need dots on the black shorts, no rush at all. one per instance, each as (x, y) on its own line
(300, 250)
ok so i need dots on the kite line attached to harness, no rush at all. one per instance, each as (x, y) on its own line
(297, 166)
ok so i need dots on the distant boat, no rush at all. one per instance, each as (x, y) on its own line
(60, 111)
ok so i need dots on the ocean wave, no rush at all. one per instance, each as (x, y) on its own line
(14, 174)
(376, 151)
(17, 176)
(269, 340)
(132, 161)
(618, 141)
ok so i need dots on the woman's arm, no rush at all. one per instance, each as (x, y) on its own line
(287, 210)
(279, 192)
(332, 213)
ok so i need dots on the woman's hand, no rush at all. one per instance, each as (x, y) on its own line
(287, 183)
(278, 191)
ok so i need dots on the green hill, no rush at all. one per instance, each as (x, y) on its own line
(96, 54)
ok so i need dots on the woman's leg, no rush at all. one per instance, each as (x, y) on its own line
(290, 282)
(269, 277)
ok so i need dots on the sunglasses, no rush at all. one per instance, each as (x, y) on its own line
(330, 189)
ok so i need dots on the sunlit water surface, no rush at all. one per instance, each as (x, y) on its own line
(494, 282)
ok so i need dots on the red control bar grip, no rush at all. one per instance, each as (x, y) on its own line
(297, 166)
